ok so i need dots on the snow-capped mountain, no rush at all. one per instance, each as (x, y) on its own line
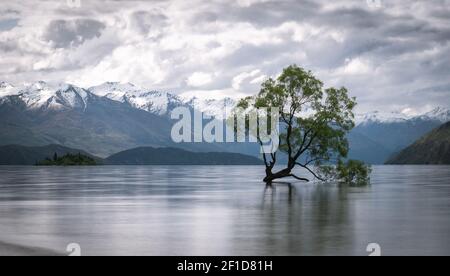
(43, 114)
(113, 117)
(71, 97)
(152, 101)
(438, 114)
(378, 136)
(211, 107)
(380, 117)
(115, 90)
(7, 89)
(42, 95)
(159, 103)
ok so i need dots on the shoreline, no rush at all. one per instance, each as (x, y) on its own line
(9, 249)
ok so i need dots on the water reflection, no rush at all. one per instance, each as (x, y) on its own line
(308, 219)
(223, 211)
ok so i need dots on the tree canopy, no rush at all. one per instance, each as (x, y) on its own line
(314, 122)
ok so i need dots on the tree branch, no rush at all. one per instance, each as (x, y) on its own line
(274, 159)
(312, 160)
(311, 171)
(302, 149)
(299, 178)
(264, 155)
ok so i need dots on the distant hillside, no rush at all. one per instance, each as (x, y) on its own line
(367, 150)
(173, 156)
(68, 160)
(433, 148)
(113, 117)
(39, 115)
(21, 155)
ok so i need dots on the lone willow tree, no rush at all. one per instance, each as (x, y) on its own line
(313, 125)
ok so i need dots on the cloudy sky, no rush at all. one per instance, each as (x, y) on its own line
(391, 55)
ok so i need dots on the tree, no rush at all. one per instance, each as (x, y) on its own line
(313, 125)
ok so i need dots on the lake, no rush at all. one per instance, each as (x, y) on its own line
(222, 210)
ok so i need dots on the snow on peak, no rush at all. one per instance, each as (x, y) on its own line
(42, 95)
(439, 113)
(114, 90)
(152, 101)
(157, 102)
(211, 107)
(4, 84)
(37, 94)
(7, 89)
(381, 117)
(69, 96)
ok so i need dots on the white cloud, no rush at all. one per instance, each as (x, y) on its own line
(259, 80)
(239, 79)
(124, 64)
(355, 66)
(248, 3)
(227, 47)
(199, 79)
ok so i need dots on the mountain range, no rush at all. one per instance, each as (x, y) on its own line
(113, 117)
(102, 123)
(377, 137)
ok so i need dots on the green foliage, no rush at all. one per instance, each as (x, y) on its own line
(352, 172)
(314, 123)
(68, 160)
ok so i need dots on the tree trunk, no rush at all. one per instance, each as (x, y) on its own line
(272, 176)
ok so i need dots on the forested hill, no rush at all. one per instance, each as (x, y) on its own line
(174, 156)
(59, 155)
(21, 155)
(433, 148)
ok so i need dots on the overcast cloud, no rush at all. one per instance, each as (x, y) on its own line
(391, 55)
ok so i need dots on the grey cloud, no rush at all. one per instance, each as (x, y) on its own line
(353, 18)
(261, 14)
(435, 96)
(436, 89)
(9, 12)
(64, 34)
(255, 55)
(148, 21)
(8, 46)
(405, 43)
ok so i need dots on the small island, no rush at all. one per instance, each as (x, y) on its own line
(68, 160)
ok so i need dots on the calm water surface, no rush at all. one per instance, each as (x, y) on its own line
(223, 211)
